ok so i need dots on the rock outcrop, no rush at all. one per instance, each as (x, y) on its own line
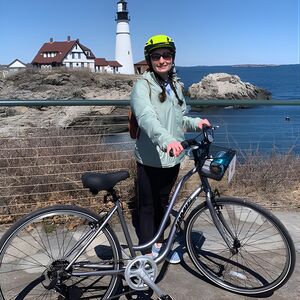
(65, 84)
(226, 86)
(60, 84)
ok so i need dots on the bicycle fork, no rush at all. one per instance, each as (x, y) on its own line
(218, 219)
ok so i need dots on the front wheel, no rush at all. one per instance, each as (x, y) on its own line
(35, 251)
(262, 257)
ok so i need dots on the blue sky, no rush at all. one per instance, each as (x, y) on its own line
(214, 32)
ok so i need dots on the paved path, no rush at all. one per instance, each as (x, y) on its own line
(183, 282)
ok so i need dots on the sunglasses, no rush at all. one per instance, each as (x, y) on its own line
(165, 56)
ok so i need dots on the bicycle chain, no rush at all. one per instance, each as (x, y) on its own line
(106, 262)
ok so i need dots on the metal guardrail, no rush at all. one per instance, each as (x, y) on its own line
(103, 102)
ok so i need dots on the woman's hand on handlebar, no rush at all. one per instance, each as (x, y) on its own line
(174, 148)
(203, 122)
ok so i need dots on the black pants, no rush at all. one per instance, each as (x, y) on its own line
(153, 188)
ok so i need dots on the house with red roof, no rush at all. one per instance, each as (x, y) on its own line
(140, 67)
(71, 54)
(106, 66)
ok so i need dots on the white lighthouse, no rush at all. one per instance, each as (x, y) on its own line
(123, 42)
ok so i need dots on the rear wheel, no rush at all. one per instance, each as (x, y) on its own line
(35, 251)
(263, 256)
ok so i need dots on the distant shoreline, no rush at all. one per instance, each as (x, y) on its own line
(240, 65)
(255, 65)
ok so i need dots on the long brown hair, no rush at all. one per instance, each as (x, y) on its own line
(172, 78)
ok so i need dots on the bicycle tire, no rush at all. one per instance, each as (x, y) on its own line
(265, 259)
(35, 249)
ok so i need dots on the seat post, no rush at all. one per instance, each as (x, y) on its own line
(114, 194)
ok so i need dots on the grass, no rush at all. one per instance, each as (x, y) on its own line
(44, 167)
(271, 181)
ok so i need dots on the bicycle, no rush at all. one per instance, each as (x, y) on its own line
(69, 252)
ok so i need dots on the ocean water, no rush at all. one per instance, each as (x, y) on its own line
(282, 81)
(262, 129)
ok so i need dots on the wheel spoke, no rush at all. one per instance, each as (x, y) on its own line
(264, 257)
(38, 246)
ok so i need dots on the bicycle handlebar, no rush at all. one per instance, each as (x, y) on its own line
(208, 138)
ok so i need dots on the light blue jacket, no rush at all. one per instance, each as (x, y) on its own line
(160, 123)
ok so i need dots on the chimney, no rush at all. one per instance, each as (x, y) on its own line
(68, 38)
(51, 40)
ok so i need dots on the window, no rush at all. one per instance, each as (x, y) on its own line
(82, 65)
(73, 55)
(71, 65)
(79, 55)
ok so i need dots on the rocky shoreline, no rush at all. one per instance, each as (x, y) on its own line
(83, 84)
(66, 85)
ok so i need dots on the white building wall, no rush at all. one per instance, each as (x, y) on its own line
(77, 59)
(102, 69)
(17, 64)
(46, 67)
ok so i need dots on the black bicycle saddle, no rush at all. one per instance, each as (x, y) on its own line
(102, 181)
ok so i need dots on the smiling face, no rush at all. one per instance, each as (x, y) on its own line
(162, 61)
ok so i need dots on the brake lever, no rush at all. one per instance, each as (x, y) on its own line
(208, 134)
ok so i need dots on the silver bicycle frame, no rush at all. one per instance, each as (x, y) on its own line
(217, 219)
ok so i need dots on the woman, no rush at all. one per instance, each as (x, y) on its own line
(159, 107)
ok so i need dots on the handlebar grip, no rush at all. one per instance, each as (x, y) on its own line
(171, 153)
(206, 127)
(185, 144)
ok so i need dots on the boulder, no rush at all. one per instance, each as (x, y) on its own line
(226, 86)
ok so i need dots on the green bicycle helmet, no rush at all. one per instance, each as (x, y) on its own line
(156, 42)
